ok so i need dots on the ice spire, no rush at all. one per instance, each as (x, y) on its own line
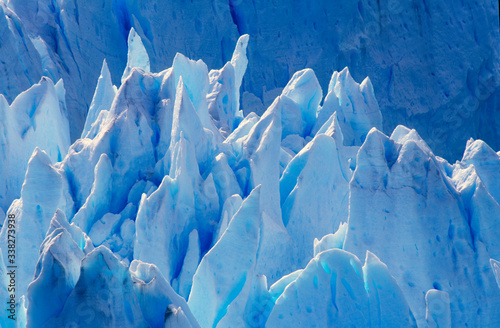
(305, 90)
(103, 98)
(307, 218)
(355, 104)
(240, 60)
(137, 55)
(236, 254)
(57, 272)
(44, 191)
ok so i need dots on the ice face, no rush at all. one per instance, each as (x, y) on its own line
(44, 191)
(103, 280)
(224, 89)
(69, 40)
(235, 255)
(356, 107)
(415, 182)
(21, 60)
(304, 89)
(165, 200)
(388, 305)
(36, 118)
(308, 218)
(58, 265)
(87, 279)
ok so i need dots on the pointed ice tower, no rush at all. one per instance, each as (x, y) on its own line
(314, 204)
(259, 164)
(101, 103)
(224, 89)
(57, 271)
(305, 91)
(165, 220)
(98, 202)
(137, 55)
(44, 191)
(222, 283)
(356, 106)
(36, 118)
(188, 122)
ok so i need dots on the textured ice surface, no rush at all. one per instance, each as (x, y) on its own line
(429, 62)
(438, 309)
(36, 118)
(350, 295)
(175, 209)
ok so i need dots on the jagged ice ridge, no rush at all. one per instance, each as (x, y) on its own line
(175, 209)
(434, 65)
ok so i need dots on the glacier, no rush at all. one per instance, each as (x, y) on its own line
(175, 208)
(434, 65)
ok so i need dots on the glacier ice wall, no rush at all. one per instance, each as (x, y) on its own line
(428, 62)
(176, 209)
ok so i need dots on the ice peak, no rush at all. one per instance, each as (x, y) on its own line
(479, 152)
(137, 55)
(103, 98)
(240, 60)
(59, 221)
(346, 80)
(223, 98)
(331, 241)
(402, 134)
(376, 155)
(236, 253)
(185, 119)
(332, 129)
(56, 275)
(267, 128)
(304, 89)
(195, 77)
(358, 110)
(372, 260)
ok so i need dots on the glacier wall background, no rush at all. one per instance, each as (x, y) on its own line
(434, 65)
(175, 209)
